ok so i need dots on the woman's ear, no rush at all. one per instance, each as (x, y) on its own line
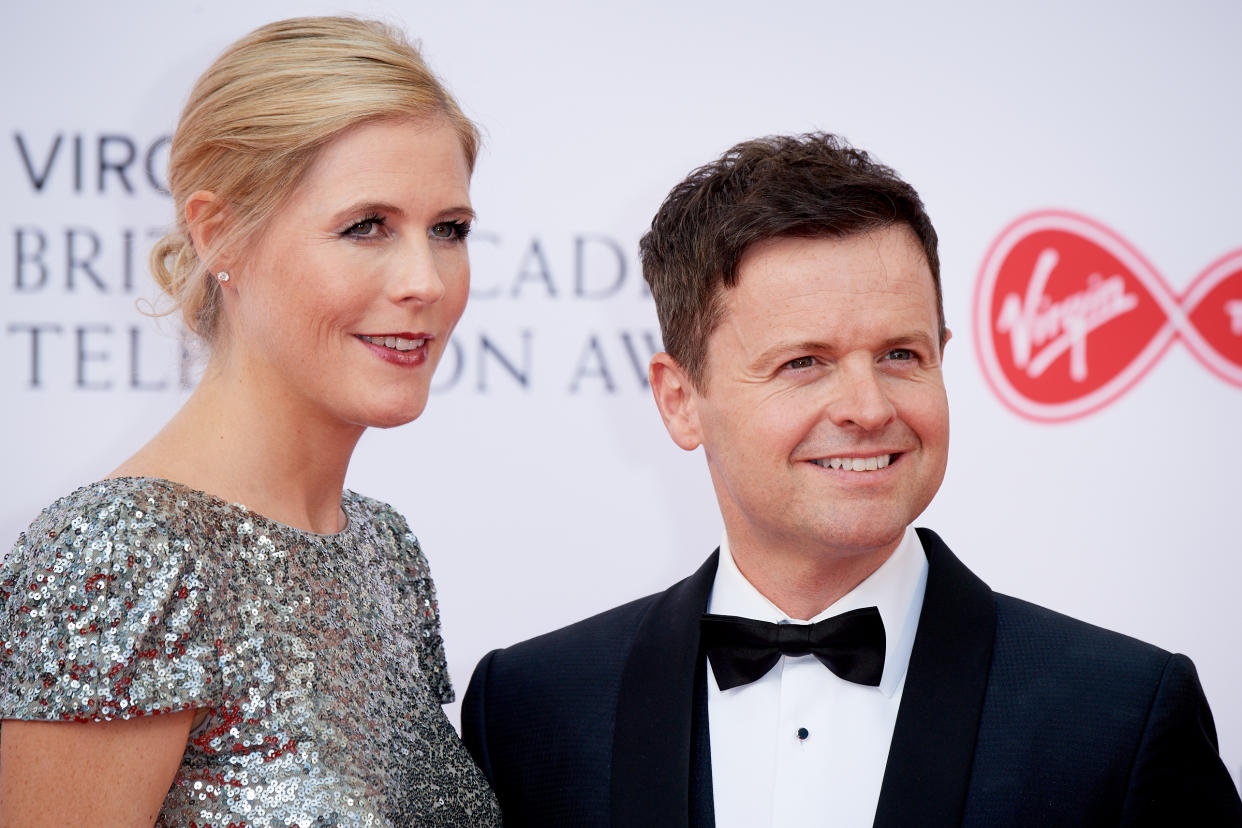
(205, 216)
(677, 399)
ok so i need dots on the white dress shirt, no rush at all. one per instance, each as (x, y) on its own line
(800, 746)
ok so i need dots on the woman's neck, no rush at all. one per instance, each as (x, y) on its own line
(246, 442)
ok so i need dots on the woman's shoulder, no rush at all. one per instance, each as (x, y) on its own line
(382, 527)
(378, 517)
(103, 598)
(99, 515)
(387, 529)
(372, 507)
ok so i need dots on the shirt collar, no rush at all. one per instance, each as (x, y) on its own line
(896, 589)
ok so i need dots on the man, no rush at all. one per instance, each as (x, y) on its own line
(797, 285)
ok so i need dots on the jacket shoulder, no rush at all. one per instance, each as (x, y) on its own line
(1041, 632)
(1051, 665)
(599, 646)
(593, 648)
(538, 718)
(1078, 720)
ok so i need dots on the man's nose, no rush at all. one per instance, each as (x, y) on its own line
(859, 397)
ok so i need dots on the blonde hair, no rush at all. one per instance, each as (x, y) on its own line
(256, 120)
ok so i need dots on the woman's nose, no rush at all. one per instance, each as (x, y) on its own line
(417, 276)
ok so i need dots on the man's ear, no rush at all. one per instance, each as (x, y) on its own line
(677, 400)
(205, 216)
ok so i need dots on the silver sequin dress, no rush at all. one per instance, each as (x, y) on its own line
(317, 657)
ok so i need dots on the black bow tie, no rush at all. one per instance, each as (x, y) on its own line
(742, 650)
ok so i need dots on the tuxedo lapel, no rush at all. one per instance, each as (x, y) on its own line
(651, 751)
(929, 762)
(702, 806)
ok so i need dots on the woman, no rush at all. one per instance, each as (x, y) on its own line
(170, 656)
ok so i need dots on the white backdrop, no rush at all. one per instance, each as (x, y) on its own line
(540, 480)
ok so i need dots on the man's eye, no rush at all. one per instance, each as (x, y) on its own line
(800, 362)
(901, 354)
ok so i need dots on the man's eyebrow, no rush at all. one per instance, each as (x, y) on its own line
(910, 338)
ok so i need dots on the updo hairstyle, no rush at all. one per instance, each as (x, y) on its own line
(256, 120)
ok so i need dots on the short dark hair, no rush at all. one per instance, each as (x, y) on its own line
(809, 185)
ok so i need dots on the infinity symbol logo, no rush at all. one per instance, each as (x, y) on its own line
(1068, 316)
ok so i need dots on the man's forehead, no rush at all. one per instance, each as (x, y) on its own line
(884, 261)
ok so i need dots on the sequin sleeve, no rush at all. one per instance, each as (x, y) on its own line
(419, 589)
(102, 608)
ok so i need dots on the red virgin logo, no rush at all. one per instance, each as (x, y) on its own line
(1068, 316)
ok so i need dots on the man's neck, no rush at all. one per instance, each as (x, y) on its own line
(801, 585)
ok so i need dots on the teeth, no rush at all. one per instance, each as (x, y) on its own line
(856, 463)
(394, 342)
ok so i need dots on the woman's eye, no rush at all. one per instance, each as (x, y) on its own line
(366, 228)
(800, 362)
(450, 230)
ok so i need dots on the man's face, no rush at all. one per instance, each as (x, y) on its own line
(823, 413)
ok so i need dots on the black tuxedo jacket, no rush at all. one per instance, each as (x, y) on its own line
(1011, 715)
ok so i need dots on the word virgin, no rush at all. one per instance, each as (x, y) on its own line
(1036, 322)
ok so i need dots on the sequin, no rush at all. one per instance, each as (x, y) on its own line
(318, 657)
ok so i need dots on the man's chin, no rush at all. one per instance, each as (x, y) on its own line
(868, 538)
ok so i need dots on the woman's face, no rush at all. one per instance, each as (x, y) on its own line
(344, 305)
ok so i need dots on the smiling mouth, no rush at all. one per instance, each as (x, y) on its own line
(396, 343)
(857, 464)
